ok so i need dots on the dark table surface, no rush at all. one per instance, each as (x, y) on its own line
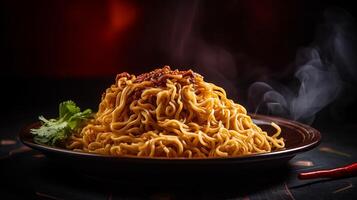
(28, 174)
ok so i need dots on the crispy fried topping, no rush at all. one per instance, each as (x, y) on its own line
(124, 74)
(159, 76)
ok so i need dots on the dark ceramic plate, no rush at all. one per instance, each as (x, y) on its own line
(298, 138)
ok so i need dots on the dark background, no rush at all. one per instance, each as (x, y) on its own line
(59, 50)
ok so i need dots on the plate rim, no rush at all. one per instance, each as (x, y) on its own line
(250, 157)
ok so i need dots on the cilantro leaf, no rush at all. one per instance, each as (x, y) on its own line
(56, 131)
(68, 108)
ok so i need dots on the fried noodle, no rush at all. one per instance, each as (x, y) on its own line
(171, 113)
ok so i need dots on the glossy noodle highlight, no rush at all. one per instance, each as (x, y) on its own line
(168, 113)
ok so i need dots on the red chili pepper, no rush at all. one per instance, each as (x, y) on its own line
(349, 170)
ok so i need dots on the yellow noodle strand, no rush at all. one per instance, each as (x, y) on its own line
(180, 118)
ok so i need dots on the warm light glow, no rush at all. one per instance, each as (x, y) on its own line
(122, 15)
(92, 38)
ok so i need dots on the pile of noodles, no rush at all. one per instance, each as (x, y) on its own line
(168, 113)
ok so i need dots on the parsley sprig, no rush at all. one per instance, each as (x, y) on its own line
(56, 131)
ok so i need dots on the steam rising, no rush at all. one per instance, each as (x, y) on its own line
(319, 85)
(187, 46)
(320, 69)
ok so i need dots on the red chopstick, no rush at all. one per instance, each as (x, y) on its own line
(346, 171)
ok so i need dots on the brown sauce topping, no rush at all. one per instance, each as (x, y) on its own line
(159, 76)
(124, 74)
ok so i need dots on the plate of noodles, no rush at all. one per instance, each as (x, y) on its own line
(167, 120)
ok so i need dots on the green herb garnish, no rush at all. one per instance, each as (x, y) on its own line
(56, 131)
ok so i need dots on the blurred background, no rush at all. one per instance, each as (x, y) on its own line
(295, 59)
(58, 50)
